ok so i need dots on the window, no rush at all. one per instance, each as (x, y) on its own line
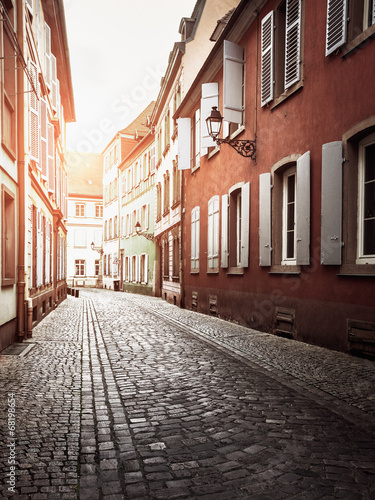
(166, 204)
(289, 217)
(80, 267)
(176, 183)
(166, 259)
(195, 140)
(235, 228)
(126, 269)
(144, 217)
(158, 202)
(167, 131)
(134, 269)
(213, 234)
(80, 209)
(194, 257)
(366, 197)
(110, 229)
(115, 227)
(281, 50)
(176, 259)
(288, 223)
(144, 268)
(8, 236)
(97, 267)
(347, 20)
(8, 103)
(99, 211)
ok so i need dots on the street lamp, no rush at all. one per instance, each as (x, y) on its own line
(245, 148)
(138, 230)
(100, 275)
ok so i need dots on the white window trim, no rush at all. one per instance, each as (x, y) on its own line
(362, 259)
(194, 257)
(289, 261)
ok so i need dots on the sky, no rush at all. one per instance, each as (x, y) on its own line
(119, 52)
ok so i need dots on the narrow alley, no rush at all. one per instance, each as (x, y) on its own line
(120, 396)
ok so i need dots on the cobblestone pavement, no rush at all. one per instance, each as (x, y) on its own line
(125, 397)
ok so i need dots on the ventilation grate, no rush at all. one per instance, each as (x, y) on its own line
(361, 336)
(284, 322)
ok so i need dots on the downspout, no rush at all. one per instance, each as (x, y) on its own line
(21, 182)
(182, 274)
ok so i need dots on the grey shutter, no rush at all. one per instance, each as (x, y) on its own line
(303, 210)
(233, 82)
(292, 42)
(224, 231)
(265, 250)
(331, 217)
(336, 24)
(245, 224)
(210, 98)
(267, 59)
(34, 112)
(184, 143)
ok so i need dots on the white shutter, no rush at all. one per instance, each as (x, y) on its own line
(210, 98)
(245, 224)
(233, 82)
(29, 4)
(224, 231)
(195, 213)
(34, 113)
(336, 24)
(331, 217)
(43, 163)
(265, 249)
(47, 41)
(53, 82)
(51, 158)
(215, 247)
(267, 48)
(303, 210)
(292, 42)
(146, 268)
(210, 235)
(184, 143)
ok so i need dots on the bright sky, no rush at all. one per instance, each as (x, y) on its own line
(118, 54)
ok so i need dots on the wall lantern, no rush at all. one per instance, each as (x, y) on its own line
(96, 249)
(138, 229)
(243, 147)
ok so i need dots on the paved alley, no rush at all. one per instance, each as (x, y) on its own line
(121, 396)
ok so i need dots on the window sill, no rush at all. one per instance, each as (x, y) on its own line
(194, 271)
(357, 270)
(175, 204)
(235, 271)
(195, 168)
(285, 270)
(7, 282)
(167, 148)
(213, 270)
(287, 93)
(357, 41)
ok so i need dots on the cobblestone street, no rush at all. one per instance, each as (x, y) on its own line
(128, 397)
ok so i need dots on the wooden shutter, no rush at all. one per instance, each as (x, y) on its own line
(267, 48)
(43, 163)
(245, 224)
(336, 24)
(303, 210)
(184, 143)
(292, 42)
(210, 98)
(265, 249)
(224, 231)
(331, 216)
(233, 82)
(51, 158)
(34, 113)
(47, 39)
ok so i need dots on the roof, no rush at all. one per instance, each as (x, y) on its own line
(140, 123)
(85, 174)
(221, 23)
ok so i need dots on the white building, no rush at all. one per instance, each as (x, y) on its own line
(85, 219)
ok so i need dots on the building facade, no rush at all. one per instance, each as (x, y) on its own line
(137, 247)
(85, 219)
(37, 102)
(115, 152)
(284, 242)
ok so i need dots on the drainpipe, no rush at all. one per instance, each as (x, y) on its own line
(21, 182)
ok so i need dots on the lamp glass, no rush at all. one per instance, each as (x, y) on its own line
(214, 122)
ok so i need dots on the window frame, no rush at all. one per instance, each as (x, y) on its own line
(286, 203)
(195, 232)
(8, 237)
(213, 236)
(80, 265)
(361, 257)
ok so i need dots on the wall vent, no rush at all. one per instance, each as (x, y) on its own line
(194, 301)
(361, 336)
(284, 322)
(213, 304)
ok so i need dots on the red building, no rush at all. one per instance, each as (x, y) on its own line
(285, 242)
